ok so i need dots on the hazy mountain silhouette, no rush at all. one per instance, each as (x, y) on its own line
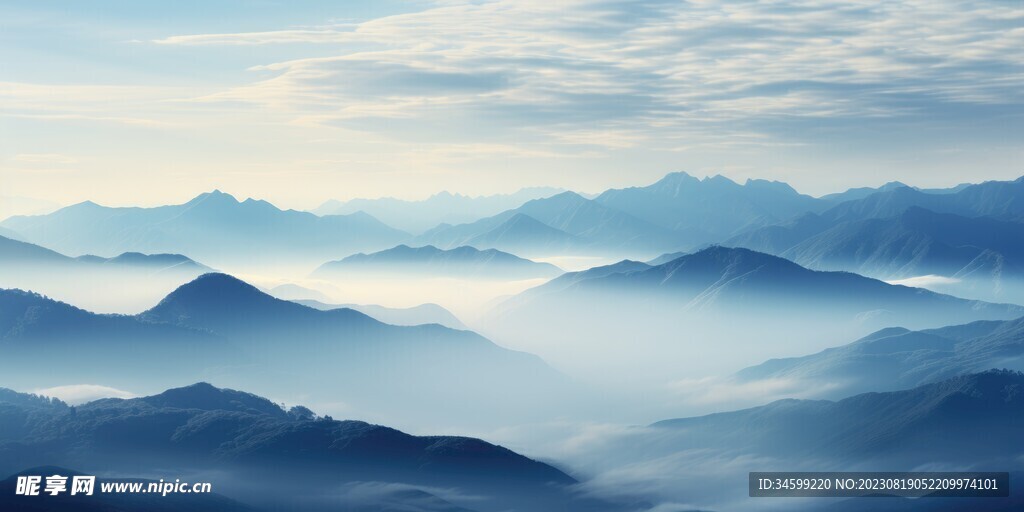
(457, 372)
(712, 311)
(253, 445)
(22, 255)
(220, 326)
(84, 345)
(430, 261)
(416, 315)
(854, 194)
(897, 358)
(212, 227)
(125, 282)
(1001, 199)
(717, 205)
(440, 208)
(524, 233)
(987, 253)
(933, 423)
(731, 277)
(596, 228)
(982, 254)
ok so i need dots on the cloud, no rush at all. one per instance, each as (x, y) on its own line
(611, 72)
(81, 393)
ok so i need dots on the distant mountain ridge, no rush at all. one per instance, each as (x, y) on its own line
(463, 261)
(715, 205)
(204, 428)
(719, 275)
(440, 208)
(570, 222)
(897, 358)
(932, 423)
(416, 315)
(734, 307)
(14, 253)
(220, 326)
(214, 227)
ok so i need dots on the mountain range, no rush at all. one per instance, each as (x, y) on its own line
(898, 358)
(122, 283)
(213, 227)
(265, 454)
(1000, 200)
(567, 222)
(220, 326)
(725, 304)
(722, 278)
(932, 423)
(416, 315)
(440, 208)
(429, 261)
(716, 206)
(21, 256)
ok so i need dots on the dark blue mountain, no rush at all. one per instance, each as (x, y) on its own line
(999, 199)
(897, 358)
(218, 326)
(83, 345)
(721, 277)
(775, 239)
(430, 261)
(934, 423)
(1003, 200)
(213, 227)
(713, 311)
(983, 256)
(252, 445)
(716, 206)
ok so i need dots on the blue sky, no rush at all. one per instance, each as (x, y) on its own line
(298, 102)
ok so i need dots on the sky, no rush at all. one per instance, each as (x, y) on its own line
(297, 102)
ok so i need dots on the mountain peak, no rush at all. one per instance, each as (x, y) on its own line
(205, 396)
(210, 295)
(214, 197)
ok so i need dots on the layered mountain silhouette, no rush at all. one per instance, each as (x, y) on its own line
(21, 256)
(1000, 200)
(898, 358)
(416, 315)
(933, 423)
(716, 206)
(261, 452)
(218, 325)
(986, 253)
(729, 278)
(566, 222)
(429, 261)
(84, 345)
(440, 208)
(213, 227)
(727, 305)
(125, 282)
